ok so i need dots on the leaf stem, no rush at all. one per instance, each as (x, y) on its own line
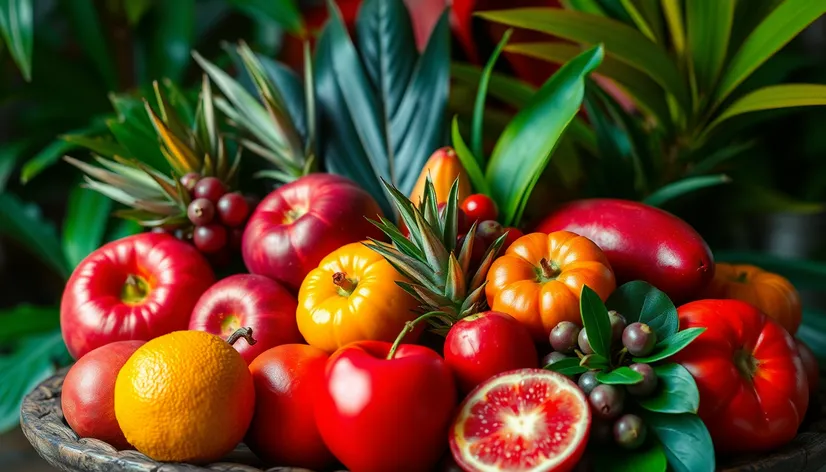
(410, 326)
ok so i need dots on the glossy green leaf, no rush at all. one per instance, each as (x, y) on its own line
(719, 156)
(778, 28)
(34, 360)
(508, 89)
(639, 19)
(641, 301)
(283, 12)
(649, 458)
(10, 154)
(708, 26)
(525, 147)
(586, 6)
(25, 320)
(681, 187)
(54, 151)
(594, 362)
(136, 9)
(620, 376)
(685, 440)
(671, 345)
(569, 366)
(469, 162)
(676, 391)
(620, 40)
(86, 27)
(17, 28)
(481, 95)
(84, 223)
(673, 13)
(647, 93)
(173, 34)
(771, 98)
(24, 224)
(595, 321)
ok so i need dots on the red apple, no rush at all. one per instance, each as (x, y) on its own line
(288, 379)
(295, 226)
(136, 288)
(486, 344)
(253, 301)
(88, 398)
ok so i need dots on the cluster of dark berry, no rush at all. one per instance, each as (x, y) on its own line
(611, 423)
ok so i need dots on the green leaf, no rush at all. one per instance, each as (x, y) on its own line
(639, 20)
(173, 33)
(136, 9)
(87, 29)
(569, 366)
(32, 362)
(772, 98)
(649, 458)
(17, 28)
(283, 12)
(685, 439)
(508, 89)
(10, 153)
(620, 40)
(595, 321)
(647, 93)
(525, 147)
(54, 151)
(27, 227)
(84, 223)
(778, 28)
(676, 391)
(673, 13)
(24, 320)
(641, 301)
(481, 94)
(586, 6)
(671, 345)
(681, 187)
(620, 376)
(594, 362)
(709, 27)
(719, 156)
(471, 165)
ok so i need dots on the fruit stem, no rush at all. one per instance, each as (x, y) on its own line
(239, 333)
(134, 289)
(742, 278)
(345, 284)
(548, 270)
(746, 363)
(622, 354)
(410, 326)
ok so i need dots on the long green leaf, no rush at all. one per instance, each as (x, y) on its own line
(84, 224)
(26, 226)
(673, 13)
(471, 165)
(647, 93)
(505, 88)
(620, 40)
(777, 29)
(172, 38)
(87, 29)
(587, 6)
(771, 98)
(525, 147)
(709, 26)
(17, 28)
(54, 151)
(282, 12)
(24, 320)
(684, 186)
(481, 94)
(639, 19)
(10, 153)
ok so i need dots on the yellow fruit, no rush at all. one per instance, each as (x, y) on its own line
(187, 396)
(444, 167)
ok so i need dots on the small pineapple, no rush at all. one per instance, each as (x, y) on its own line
(195, 202)
(437, 260)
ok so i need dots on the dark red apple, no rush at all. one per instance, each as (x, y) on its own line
(136, 288)
(295, 226)
(88, 398)
(253, 301)
(486, 344)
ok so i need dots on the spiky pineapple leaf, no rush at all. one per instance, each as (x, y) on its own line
(405, 265)
(480, 276)
(455, 283)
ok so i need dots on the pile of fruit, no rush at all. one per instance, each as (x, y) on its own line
(442, 341)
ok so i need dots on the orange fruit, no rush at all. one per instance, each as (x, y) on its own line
(187, 396)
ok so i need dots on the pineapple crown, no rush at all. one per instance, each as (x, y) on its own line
(435, 260)
(153, 198)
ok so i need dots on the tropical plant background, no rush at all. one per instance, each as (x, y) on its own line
(704, 108)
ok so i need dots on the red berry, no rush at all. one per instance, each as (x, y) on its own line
(233, 209)
(189, 180)
(480, 207)
(513, 235)
(210, 188)
(200, 212)
(211, 238)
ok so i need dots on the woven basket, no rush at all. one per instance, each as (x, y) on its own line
(43, 424)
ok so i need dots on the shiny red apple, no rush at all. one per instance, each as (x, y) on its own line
(295, 226)
(88, 398)
(247, 300)
(136, 288)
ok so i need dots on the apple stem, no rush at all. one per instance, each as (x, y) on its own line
(410, 326)
(239, 333)
(347, 285)
(134, 289)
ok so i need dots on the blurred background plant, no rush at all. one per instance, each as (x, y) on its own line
(74, 73)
